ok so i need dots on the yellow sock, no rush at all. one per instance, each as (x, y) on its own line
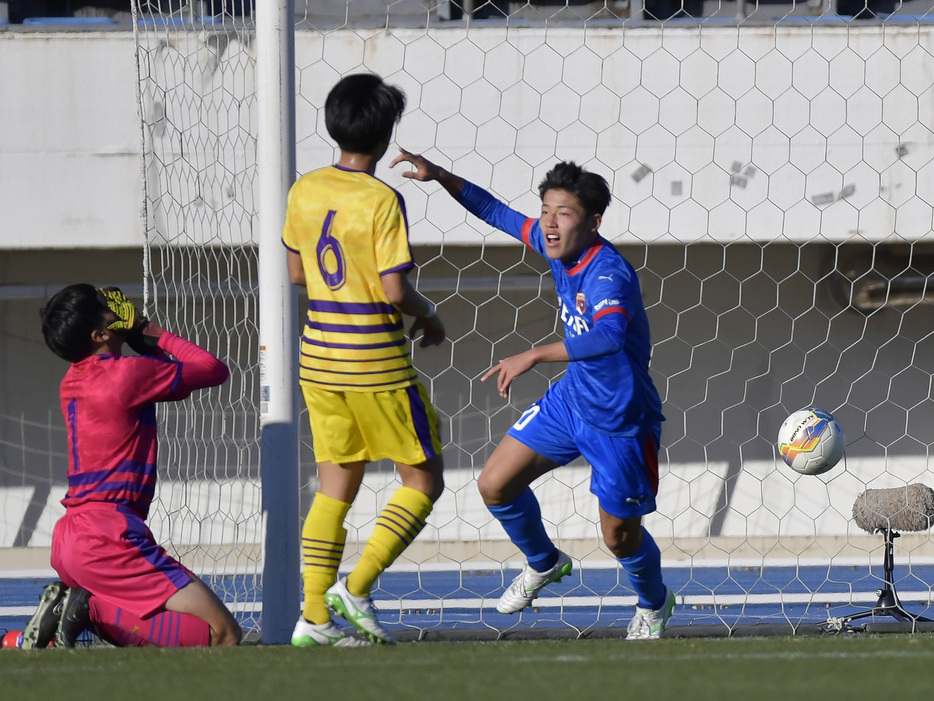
(398, 523)
(323, 538)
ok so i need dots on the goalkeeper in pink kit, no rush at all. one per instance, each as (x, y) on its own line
(115, 578)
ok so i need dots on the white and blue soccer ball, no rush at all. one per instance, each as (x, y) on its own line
(811, 441)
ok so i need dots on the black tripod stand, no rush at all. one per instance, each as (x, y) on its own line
(887, 604)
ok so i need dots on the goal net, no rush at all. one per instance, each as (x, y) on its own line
(772, 186)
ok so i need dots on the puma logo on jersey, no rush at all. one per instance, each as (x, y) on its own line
(605, 277)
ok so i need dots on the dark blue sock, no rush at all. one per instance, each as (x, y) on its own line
(645, 573)
(522, 521)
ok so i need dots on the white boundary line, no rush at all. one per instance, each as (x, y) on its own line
(574, 602)
(712, 601)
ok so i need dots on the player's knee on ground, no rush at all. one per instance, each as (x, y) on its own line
(226, 635)
(197, 599)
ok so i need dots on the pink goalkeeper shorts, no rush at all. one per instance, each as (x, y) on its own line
(108, 550)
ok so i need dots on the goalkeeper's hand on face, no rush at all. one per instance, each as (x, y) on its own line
(139, 333)
(128, 316)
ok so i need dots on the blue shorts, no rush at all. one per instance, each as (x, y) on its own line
(624, 468)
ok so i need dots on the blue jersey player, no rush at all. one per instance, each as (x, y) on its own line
(605, 408)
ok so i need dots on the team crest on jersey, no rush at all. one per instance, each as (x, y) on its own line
(580, 303)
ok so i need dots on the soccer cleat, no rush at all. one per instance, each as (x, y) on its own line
(649, 624)
(76, 614)
(529, 583)
(357, 611)
(40, 630)
(324, 635)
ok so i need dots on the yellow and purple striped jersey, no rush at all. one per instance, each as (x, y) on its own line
(350, 228)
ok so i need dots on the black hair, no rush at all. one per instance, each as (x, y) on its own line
(361, 111)
(70, 317)
(591, 189)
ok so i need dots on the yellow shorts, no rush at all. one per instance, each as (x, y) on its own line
(398, 424)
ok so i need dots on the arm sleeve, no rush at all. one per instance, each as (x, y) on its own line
(484, 206)
(288, 234)
(606, 337)
(391, 235)
(198, 368)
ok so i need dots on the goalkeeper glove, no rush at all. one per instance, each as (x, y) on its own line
(127, 315)
(130, 323)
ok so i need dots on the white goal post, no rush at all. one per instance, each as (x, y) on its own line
(772, 186)
(278, 349)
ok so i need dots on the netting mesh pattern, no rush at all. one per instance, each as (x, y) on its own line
(771, 186)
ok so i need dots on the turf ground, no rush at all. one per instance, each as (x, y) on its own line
(856, 666)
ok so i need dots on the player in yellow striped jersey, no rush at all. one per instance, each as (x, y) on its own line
(347, 238)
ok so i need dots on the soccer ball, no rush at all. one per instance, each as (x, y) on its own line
(810, 441)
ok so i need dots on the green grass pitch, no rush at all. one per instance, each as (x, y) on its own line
(788, 668)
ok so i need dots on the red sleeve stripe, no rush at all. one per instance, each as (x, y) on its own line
(610, 310)
(527, 231)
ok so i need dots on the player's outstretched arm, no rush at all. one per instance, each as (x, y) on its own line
(426, 171)
(476, 200)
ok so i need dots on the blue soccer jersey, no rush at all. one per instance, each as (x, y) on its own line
(607, 384)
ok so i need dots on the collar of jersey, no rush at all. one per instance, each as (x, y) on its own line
(581, 263)
(348, 170)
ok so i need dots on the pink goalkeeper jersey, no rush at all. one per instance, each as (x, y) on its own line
(109, 407)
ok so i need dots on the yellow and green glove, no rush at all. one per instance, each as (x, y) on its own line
(131, 324)
(128, 317)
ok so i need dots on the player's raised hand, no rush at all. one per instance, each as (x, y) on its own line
(431, 328)
(424, 169)
(128, 316)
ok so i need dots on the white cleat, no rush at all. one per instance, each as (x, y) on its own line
(525, 588)
(650, 624)
(323, 635)
(357, 611)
